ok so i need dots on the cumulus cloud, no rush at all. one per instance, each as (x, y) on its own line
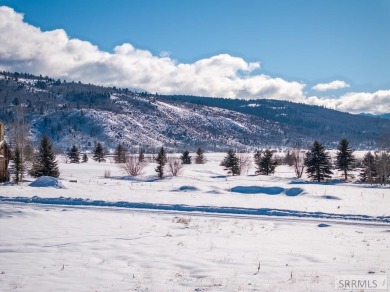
(357, 102)
(26, 48)
(337, 84)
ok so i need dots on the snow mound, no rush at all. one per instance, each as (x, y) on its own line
(294, 192)
(47, 181)
(187, 188)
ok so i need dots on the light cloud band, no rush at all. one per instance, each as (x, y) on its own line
(337, 84)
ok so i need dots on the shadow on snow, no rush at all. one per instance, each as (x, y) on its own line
(292, 192)
(186, 208)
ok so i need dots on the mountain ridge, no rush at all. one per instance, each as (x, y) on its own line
(83, 114)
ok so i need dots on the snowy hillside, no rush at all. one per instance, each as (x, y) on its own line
(83, 114)
(169, 125)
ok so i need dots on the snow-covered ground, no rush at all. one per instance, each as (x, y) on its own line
(201, 231)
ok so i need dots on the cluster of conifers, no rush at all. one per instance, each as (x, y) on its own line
(317, 162)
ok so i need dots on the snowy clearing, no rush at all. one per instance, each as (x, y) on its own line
(200, 231)
(73, 249)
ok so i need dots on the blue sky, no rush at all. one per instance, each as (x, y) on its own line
(309, 42)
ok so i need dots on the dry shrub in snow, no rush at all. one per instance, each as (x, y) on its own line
(298, 161)
(244, 162)
(133, 166)
(174, 166)
(182, 220)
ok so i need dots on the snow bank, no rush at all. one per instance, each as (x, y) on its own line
(47, 181)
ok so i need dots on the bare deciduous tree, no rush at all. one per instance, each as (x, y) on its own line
(174, 165)
(244, 162)
(298, 160)
(382, 165)
(133, 166)
(19, 133)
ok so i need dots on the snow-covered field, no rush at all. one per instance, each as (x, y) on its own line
(201, 231)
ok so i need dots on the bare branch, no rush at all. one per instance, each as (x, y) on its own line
(133, 166)
(174, 165)
(298, 160)
(244, 162)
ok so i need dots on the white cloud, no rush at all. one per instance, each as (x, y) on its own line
(337, 84)
(25, 48)
(357, 102)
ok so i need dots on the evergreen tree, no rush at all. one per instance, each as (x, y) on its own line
(200, 159)
(265, 163)
(98, 153)
(186, 158)
(74, 154)
(369, 172)
(45, 164)
(231, 163)
(18, 166)
(85, 158)
(344, 158)
(120, 154)
(161, 161)
(318, 163)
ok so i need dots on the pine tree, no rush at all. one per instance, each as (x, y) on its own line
(344, 158)
(18, 166)
(369, 172)
(231, 163)
(85, 158)
(200, 159)
(45, 164)
(266, 164)
(161, 161)
(74, 154)
(186, 158)
(318, 163)
(120, 154)
(98, 153)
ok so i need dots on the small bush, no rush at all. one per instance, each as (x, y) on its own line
(133, 165)
(175, 166)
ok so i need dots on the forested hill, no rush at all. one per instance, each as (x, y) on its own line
(72, 112)
(315, 121)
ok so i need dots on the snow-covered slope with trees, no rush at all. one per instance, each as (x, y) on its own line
(83, 114)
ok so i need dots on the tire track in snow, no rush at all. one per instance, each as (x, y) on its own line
(199, 209)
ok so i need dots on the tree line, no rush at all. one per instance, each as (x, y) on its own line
(375, 167)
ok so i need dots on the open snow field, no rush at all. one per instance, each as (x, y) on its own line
(88, 236)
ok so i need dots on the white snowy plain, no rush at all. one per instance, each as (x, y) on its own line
(86, 241)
